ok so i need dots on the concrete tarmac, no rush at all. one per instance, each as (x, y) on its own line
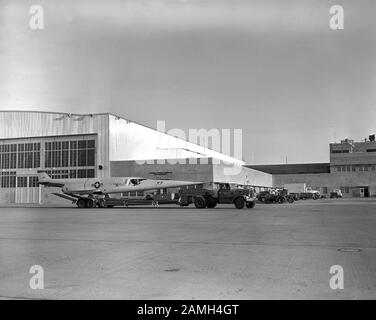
(270, 252)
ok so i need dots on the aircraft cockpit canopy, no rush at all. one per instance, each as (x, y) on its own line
(135, 181)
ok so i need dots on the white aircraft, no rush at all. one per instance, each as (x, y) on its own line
(89, 192)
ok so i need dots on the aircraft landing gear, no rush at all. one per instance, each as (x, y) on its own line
(85, 203)
(81, 203)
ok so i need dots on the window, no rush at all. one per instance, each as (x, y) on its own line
(353, 168)
(21, 182)
(340, 151)
(8, 180)
(63, 154)
(33, 182)
(8, 156)
(28, 155)
(81, 173)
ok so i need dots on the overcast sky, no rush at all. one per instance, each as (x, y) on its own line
(272, 68)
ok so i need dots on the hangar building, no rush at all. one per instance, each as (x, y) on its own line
(100, 145)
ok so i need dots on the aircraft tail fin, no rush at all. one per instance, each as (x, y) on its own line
(43, 178)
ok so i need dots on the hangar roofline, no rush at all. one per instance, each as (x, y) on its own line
(85, 115)
(109, 114)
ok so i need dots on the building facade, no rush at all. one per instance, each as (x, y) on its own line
(86, 146)
(352, 169)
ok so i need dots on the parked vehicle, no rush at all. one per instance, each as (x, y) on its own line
(336, 193)
(301, 191)
(275, 196)
(220, 193)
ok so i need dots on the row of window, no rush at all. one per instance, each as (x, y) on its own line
(340, 151)
(347, 151)
(66, 145)
(80, 153)
(19, 147)
(354, 168)
(64, 154)
(24, 182)
(23, 155)
(10, 180)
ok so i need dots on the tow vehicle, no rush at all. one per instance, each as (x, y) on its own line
(218, 193)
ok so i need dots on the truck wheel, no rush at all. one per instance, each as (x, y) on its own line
(290, 199)
(210, 202)
(239, 203)
(89, 203)
(102, 203)
(251, 204)
(81, 203)
(200, 202)
(281, 200)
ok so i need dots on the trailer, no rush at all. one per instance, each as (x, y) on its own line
(108, 202)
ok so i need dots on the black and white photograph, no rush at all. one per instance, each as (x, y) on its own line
(203, 152)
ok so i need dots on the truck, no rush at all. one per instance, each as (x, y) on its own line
(218, 193)
(275, 196)
(295, 187)
(301, 191)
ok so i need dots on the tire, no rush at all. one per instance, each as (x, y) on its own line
(211, 203)
(239, 203)
(251, 204)
(281, 200)
(89, 203)
(200, 202)
(290, 199)
(102, 203)
(81, 203)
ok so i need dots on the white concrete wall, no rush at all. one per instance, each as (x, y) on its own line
(201, 172)
(242, 175)
(131, 141)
